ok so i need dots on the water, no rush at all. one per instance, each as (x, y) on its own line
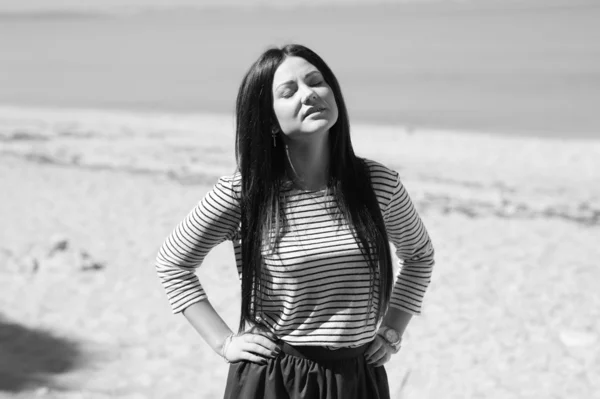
(512, 69)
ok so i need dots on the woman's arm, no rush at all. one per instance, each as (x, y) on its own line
(214, 220)
(397, 319)
(250, 346)
(380, 351)
(413, 246)
(204, 318)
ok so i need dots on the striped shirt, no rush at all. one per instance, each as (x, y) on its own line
(317, 280)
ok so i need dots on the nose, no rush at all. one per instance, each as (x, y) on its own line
(309, 96)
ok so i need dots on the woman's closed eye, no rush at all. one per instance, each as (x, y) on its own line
(287, 93)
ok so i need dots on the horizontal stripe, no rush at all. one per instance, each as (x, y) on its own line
(316, 280)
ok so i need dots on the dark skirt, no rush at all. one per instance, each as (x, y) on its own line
(309, 372)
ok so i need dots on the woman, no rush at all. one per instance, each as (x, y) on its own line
(321, 311)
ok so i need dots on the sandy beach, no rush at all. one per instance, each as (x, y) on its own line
(88, 196)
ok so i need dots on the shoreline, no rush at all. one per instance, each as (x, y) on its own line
(187, 118)
(453, 172)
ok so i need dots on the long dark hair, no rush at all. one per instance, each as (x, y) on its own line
(262, 169)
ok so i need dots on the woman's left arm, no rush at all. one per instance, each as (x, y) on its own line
(415, 250)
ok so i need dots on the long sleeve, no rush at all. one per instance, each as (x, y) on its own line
(213, 220)
(414, 249)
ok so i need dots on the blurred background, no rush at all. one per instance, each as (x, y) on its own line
(116, 117)
(516, 66)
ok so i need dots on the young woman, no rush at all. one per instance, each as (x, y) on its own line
(310, 222)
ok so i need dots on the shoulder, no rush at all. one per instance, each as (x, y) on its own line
(382, 177)
(231, 182)
(228, 189)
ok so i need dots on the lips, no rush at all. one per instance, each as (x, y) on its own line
(313, 110)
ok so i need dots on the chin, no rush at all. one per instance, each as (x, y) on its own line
(312, 129)
(320, 125)
(323, 129)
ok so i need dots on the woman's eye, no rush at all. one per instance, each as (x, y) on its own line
(316, 83)
(287, 92)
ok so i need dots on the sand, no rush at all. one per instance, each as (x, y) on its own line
(88, 196)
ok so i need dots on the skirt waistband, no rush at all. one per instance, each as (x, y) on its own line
(322, 354)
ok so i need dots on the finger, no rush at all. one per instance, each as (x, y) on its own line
(260, 345)
(377, 355)
(254, 358)
(260, 350)
(374, 347)
(383, 360)
(377, 345)
(261, 340)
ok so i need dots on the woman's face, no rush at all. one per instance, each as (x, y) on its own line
(302, 101)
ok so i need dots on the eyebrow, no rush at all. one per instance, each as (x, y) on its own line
(291, 81)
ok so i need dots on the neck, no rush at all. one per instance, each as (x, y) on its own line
(308, 163)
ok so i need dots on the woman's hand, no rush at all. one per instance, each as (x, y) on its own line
(379, 352)
(254, 345)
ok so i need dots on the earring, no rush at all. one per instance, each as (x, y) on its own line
(274, 135)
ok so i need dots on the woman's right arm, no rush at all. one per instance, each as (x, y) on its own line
(253, 347)
(215, 219)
